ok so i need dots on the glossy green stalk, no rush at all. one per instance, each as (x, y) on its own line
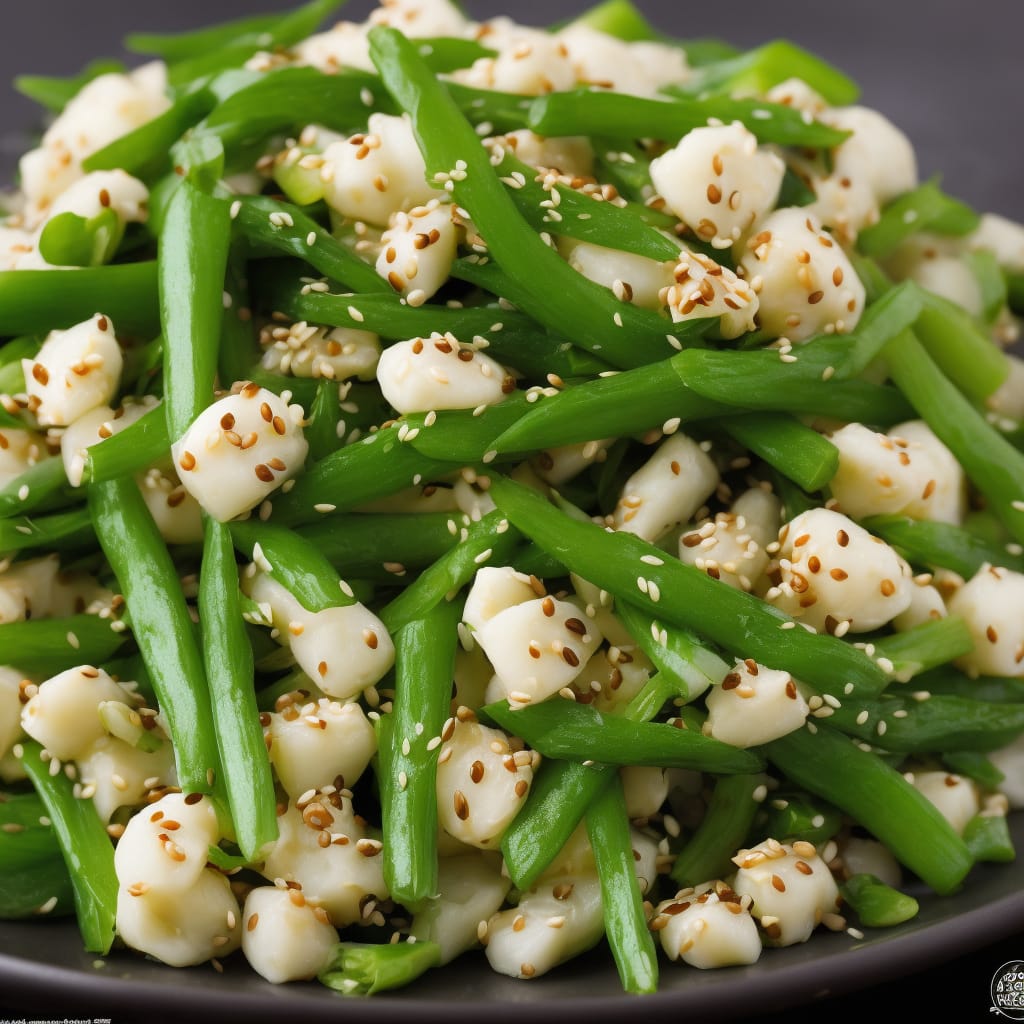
(161, 625)
(54, 93)
(424, 671)
(925, 646)
(192, 261)
(228, 659)
(131, 450)
(85, 846)
(789, 816)
(364, 968)
(988, 837)
(625, 923)
(33, 488)
(877, 797)
(63, 531)
(876, 904)
(48, 646)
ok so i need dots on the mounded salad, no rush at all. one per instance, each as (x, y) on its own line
(466, 485)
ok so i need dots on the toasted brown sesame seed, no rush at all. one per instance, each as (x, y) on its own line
(461, 805)
(838, 574)
(264, 473)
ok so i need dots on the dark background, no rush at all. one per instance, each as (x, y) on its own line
(948, 72)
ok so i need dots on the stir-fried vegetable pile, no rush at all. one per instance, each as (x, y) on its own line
(468, 485)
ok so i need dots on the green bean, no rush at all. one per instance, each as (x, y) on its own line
(554, 293)
(876, 904)
(298, 565)
(84, 845)
(586, 112)
(36, 488)
(161, 625)
(618, 18)
(192, 262)
(63, 531)
(491, 539)
(941, 545)
(795, 450)
(761, 381)
(228, 661)
(625, 923)
(131, 450)
(974, 765)
(942, 722)
(617, 405)
(49, 646)
(365, 545)
(988, 838)
(503, 111)
(995, 689)
(290, 230)
(708, 853)
(758, 70)
(321, 431)
(42, 882)
(43, 300)
(68, 240)
(462, 435)
(923, 208)
(738, 622)
(791, 816)
(424, 670)
(894, 311)
(375, 466)
(626, 165)
(992, 464)
(55, 93)
(676, 653)
(879, 798)
(925, 646)
(578, 732)
(364, 968)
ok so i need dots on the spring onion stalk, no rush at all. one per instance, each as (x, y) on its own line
(876, 904)
(364, 968)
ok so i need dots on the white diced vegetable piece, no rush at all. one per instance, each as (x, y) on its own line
(804, 280)
(567, 154)
(481, 783)
(19, 450)
(176, 513)
(667, 490)
(1006, 401)
(705, 930)
(339, 875)
(239, 450)
(833, 571)
(431, 497)
(557, 466)
(182, 928)
(719, 182)
(418, 249)
(371, 175)
(731, 547)
(539, 646)
(645, 858)
(990, 603)
(26, 588)
(95, 426)
(115, 774)
(870, 857)
(495, 588)
(472, 674)
(635, 68)
(109, 106)
(926, 605)
(165, 846)
(472, 499)
(558, 919)
(75, 371)
(796, 93)
(1004, 238)
(703, 288)
(284, 938)
(943, 498)
(18, 249)
(754, 705)
(633, 278)
(275, 599)
(791, 889)
(335, 353)
(105, 190)
(955, 796)
(419, 19)
(645, 788)
(10, 707)
(615, 675)
(342, 46)
(1010, 761)
(439, 372)
(343, 649)
(532, 63)
(953, 279)
(64, 716)
(313, 744)
(470, 889)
